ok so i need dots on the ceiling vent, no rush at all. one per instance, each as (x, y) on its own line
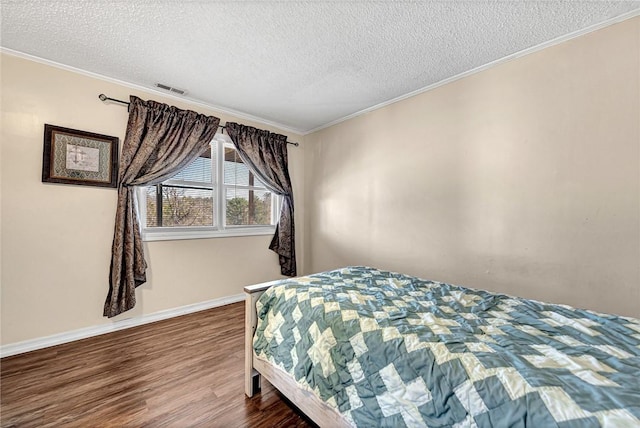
(171, 89)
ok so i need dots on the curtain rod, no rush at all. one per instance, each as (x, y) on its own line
(104, 98)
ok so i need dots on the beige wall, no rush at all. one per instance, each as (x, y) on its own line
(56, 239)
(521, 179)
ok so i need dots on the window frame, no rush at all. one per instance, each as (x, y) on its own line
(219, 187)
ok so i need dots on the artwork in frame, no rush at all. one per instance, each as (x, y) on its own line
(79, 157)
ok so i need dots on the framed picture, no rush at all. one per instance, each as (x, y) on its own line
(78, 157)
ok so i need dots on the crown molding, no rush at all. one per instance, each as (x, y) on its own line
(524, 52)
(151, 90)
(242, 115)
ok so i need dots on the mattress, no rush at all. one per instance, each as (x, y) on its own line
(391, 350)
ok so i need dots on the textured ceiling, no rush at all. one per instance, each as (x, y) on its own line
(298, 64)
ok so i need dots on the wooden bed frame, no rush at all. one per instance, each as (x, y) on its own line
(254, 369)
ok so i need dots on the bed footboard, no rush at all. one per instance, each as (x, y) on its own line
(254, 369)
(251, 376)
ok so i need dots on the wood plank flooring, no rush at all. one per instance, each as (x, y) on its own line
(182, 372)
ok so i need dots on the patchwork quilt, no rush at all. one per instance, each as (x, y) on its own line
(392, 350)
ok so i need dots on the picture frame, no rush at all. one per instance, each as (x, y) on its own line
(71, 156)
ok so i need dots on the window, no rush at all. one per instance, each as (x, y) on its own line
(215, 195)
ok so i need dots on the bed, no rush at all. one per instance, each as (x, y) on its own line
(365, 347)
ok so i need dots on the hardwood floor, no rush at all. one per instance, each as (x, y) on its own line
(182, 372)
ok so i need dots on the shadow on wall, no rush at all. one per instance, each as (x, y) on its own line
(380, 204)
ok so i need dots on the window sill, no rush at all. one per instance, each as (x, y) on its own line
(175, 234)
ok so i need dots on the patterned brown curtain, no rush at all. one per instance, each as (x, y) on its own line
(160, 140)
(266, 155)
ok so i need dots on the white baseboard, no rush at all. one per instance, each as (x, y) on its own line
(83, 333)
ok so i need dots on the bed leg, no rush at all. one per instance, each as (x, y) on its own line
(256, 381)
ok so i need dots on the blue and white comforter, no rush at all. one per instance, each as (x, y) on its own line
(391, 350)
